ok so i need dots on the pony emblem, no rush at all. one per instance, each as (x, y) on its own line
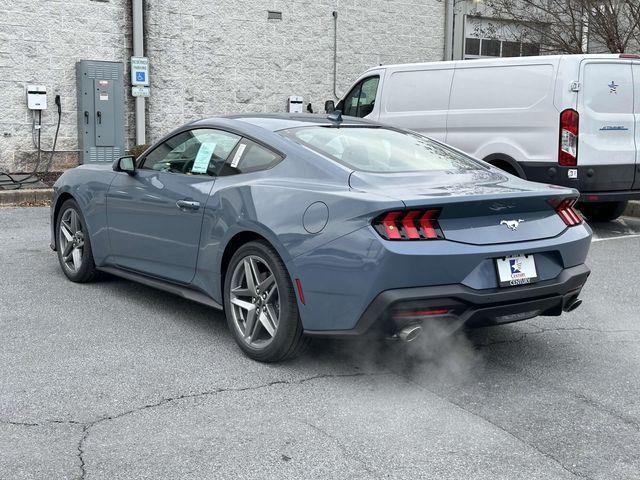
(512, 224)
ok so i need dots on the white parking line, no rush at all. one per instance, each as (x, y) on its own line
(635, 235)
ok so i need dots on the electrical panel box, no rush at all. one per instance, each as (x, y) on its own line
(100, 89)
(36, 97)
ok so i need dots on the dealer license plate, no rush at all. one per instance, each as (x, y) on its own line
(516, 270)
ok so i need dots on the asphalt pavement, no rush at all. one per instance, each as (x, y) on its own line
(114, 380)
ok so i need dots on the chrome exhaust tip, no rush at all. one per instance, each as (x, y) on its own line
(410, 333)
(575, 303)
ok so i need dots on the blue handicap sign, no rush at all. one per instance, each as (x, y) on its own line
(140, 76)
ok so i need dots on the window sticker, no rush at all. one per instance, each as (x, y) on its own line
(201, 163)
(238, 155)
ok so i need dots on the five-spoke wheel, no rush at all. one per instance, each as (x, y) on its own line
(255, 304)
(261, 305)
(73, 243)
(71, 239)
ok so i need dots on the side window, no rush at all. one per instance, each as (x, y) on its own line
(250, 157)
(350, 106)
(360, 101)
(368, 96)
(194, 152)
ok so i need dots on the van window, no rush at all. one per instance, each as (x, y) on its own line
(516, 86)
(608, 87)
(418, 91)
(360, 101)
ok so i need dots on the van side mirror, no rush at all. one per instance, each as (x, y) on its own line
(125, 164)
(329, 106)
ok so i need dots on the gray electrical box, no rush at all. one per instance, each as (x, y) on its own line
(100, 88)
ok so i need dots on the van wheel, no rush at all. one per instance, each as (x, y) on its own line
(603, 211)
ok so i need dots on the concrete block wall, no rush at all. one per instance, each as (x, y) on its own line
(40, 43)
(206, 58)
(228, 57)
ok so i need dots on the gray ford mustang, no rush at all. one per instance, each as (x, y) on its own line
(308, 225)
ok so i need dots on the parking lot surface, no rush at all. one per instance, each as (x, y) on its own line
(114, 380)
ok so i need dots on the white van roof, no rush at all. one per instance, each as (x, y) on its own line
(503, 60)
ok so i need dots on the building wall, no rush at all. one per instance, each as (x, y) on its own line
(206, 58)
(40, 42)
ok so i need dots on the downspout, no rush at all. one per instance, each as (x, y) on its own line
(335, 54)
(138, 51)
(448, 29)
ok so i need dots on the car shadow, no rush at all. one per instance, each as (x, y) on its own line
(436, 356)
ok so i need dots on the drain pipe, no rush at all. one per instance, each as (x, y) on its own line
(138, 51)
(449, 12)
(335, 54)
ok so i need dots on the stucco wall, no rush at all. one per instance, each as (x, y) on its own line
(206, 58)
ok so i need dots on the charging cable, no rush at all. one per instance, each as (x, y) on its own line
(36, 134)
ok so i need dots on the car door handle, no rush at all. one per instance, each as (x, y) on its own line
(187, 205)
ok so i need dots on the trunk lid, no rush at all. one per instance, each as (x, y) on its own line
(479, 207)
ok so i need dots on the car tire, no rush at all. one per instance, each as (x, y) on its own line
(73, 244)
(272, 331)
(603, 211)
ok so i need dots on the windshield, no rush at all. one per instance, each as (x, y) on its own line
(376, 149)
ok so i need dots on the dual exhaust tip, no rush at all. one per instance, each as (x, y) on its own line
(412, 331)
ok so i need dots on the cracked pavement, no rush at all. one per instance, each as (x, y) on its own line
(115, 380)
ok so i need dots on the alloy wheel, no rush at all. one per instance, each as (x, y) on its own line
(255, 303)
(71, 240)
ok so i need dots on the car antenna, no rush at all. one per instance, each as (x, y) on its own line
(335, 116)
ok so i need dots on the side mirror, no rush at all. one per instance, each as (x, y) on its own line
(329, 106)
(125, 164)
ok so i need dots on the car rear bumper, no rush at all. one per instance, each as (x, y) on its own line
(393, 309)
(596, 183)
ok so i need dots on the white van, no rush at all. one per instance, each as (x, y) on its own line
(569, 120)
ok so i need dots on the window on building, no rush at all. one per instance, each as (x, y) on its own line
(510, 49)
(530, 49)
(472, 46)
(491, 47)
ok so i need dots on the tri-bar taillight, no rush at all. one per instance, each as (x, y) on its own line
(568, 148)
(569, 215)
(415, 224)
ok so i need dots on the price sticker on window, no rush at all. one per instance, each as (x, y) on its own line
(201, 162)
(238, 156)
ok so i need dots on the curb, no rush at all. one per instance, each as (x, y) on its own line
(16, 197)
(633, 209)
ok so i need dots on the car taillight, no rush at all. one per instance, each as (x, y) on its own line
(568, 150)
(569, 215)
(409, 225)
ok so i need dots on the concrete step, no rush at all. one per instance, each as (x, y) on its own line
(25, 196)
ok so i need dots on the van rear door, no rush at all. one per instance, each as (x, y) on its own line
(607, 130)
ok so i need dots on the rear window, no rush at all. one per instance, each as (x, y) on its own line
(376, 149)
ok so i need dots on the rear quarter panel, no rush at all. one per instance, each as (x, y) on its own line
(274, 204)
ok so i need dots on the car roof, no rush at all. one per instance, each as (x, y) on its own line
(280, 121)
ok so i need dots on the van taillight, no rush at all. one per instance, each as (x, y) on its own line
(568, 151)
(409, 225)
(565, 209)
